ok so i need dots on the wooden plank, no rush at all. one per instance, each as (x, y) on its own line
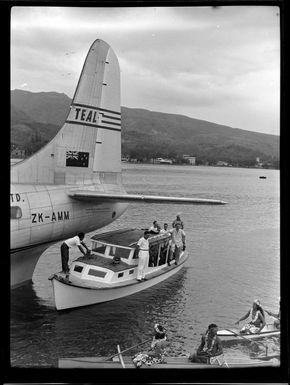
(120, 356)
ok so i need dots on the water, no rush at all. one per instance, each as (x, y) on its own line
(234, 258)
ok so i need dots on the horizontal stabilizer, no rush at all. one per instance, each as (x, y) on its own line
(95, 196)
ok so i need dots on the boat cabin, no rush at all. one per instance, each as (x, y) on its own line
(114, 258)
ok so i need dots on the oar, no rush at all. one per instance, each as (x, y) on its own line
(247, 339)
(123, 351)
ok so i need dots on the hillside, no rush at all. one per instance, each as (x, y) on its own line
(36, 118)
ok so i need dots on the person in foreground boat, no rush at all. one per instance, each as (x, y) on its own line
(257, 319)
(67, 244)
(142, 248)
(209, 349)
(156, 354)
(275, 315)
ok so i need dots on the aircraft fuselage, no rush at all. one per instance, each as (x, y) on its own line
(44, 214)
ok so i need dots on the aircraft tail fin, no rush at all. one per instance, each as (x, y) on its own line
(88, 146)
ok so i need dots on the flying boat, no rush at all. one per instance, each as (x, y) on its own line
(74, 183)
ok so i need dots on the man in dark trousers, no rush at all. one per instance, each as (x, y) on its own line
(66, 245)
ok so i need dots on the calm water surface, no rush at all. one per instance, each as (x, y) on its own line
(234, 258)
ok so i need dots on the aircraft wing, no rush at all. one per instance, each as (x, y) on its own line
(96, 196)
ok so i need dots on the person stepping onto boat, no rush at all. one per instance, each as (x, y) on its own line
(66, 245)
(257, 319)
(210, 349)
(177, 219)
(143, 255)
(177, 242)
(275, 315)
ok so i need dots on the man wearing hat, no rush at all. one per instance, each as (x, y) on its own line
(178, 219)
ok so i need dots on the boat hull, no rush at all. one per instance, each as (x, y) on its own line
(171, 362)
(234, 335)
(70, 296)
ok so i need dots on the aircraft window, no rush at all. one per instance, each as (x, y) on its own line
(78, 268)
(15, 212)
(97, 273)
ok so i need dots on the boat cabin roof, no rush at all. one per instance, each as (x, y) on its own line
(105, 262)
(124, 237)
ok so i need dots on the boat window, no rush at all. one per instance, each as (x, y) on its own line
(15, 212)
(78, 268)
(120, 275)
(97, 273)
(131, 271)
(98, 247)
(119, 252)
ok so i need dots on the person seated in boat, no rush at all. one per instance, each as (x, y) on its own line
(67, 244)
(157, 349)
(275, 315)
(155, 228)
(165, 229)
(177, 219)
(210, 347)
(159, 341)
(142, 248)
(257, 319)
(177, 243)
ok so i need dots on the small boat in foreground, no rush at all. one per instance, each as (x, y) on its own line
(169, 363)
(110, 271)
(269, 330)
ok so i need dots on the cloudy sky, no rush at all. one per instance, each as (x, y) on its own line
(216, 64)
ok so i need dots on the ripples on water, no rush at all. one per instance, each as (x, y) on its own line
(234, 258)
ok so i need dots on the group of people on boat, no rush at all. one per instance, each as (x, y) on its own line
(177, 244)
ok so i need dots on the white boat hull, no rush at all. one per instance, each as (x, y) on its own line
(70, 296)
(234, 335)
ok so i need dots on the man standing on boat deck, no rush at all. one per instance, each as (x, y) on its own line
(178, 219)
(177, 242)
(155, 228)
(143, 254)
(165, 229)
(66, 245)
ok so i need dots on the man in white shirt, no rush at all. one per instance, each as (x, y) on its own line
(155, 228)
(177, 242)
(143, 255)
(165, 229)
(66, 245)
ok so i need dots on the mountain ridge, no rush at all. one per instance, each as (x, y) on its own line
(145, 133)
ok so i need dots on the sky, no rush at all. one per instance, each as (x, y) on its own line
(219, 64)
